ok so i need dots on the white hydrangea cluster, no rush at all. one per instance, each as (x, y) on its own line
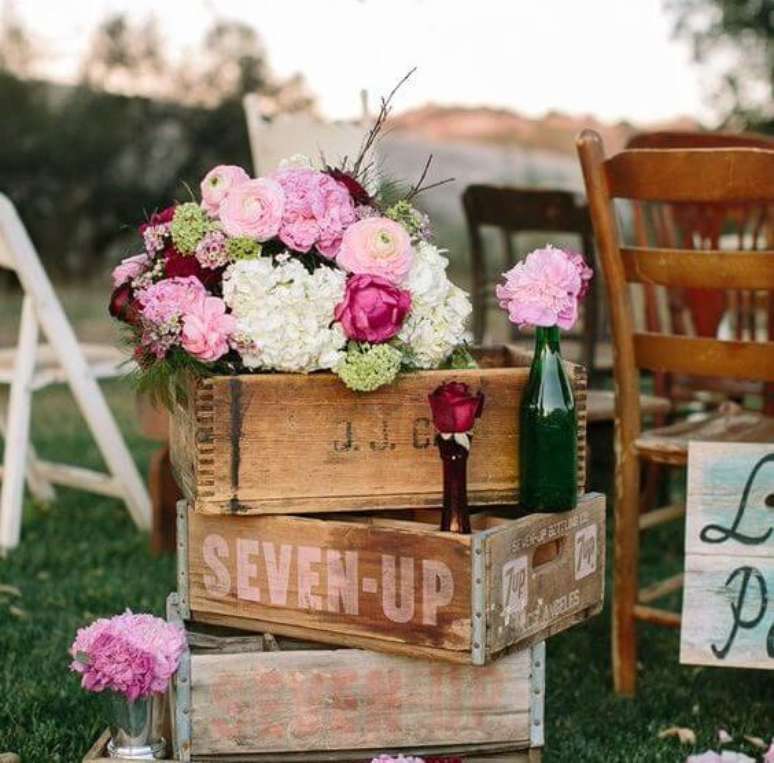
(286, 313)
(440, 310)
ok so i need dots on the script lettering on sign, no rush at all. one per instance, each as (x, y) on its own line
(728, 612)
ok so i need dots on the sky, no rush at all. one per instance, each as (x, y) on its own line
(615, 59)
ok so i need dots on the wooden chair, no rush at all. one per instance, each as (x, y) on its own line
(300, 133)
(29, 367)
(672, 176)
(514, 211)
(699, 226)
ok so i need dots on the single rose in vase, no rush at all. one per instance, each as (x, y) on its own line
(455, 410)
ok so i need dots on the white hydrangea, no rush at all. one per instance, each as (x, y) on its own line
(440, 310)
(286, 313)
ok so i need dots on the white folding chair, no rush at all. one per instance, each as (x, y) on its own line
(29, 367)
(301, 133)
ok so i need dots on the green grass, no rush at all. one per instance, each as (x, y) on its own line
(82, 558)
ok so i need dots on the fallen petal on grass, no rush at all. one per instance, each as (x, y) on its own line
(756, 742)
(11, 590)
(685, 735)
(724, 737)
(18, 612)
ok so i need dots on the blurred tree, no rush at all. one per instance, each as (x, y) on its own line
(738, 35)
(84, 164)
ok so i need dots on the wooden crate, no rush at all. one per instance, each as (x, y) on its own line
(290, 444)
(395, 585)
(257, 698)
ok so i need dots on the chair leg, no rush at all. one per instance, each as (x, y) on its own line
(625, 575)
(18, 430)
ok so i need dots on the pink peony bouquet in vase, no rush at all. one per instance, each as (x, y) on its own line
(308, 268)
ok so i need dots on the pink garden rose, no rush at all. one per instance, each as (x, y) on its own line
(317, 211)
(373, 309)
(217, 183)
(542, 290)
(207, 329)
(379, 246)
(128, 269)
(253, 209)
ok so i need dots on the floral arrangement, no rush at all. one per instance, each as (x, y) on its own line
(133, 655)
(304, 269)
(545, 288)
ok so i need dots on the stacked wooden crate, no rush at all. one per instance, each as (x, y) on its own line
(311, 519)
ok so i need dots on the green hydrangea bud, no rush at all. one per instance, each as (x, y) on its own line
(242, 248)
(188, 227)
(409, 217)
(366, 368)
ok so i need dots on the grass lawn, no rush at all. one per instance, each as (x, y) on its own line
(82, 558)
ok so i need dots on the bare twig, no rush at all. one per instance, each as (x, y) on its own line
(419, 186)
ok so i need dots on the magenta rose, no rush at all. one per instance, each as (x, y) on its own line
(373, 309)
(253, 209)
(379, 246)
(217, 184)
(455, 408)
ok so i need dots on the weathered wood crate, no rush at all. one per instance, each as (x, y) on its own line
(395, 585)
(290, 444)
(257, 698)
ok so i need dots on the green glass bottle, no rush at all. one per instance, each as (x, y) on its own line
(548, 444)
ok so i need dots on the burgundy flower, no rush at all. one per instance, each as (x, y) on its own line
(158, 218)
(455, 408)
(123, 306)
(179, 265)
(356, 191)
(373, 309)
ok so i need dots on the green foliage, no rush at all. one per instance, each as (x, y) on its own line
(169, 380)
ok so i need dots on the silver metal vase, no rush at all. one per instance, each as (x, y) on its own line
(136, 728)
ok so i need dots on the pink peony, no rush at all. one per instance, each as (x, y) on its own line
(135, 655)
(253, 209)
(373, 309)
(378, 246)
(318, 209)
(207, 329)
(584, 271)
(217, 183)
(170, 298)
(128, 269)
(542, 290)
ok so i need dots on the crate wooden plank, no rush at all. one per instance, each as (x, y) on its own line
(397, 586)
(289, 443)
(728, 607)
(293, 701)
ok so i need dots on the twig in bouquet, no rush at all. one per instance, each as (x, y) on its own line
(419, 186)
(384, 111)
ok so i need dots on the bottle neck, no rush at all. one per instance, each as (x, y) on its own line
(546, 339)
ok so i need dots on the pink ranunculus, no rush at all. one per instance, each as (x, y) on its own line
(253, 209)
(542, 290)
(318, 210)
(379, 246)
(128, 269)
(217, 183)
(207, 329)
(584, 271)
(373, 309)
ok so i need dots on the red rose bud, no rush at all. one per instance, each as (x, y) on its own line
(455, 409)
(356, 191)
(123, 305)
(177, 265)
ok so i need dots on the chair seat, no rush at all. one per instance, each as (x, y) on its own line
(600, 405)
(105, 361)
(669, 445)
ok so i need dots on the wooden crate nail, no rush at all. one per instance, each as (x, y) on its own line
(395, 585)
(290, 444)
(267, 699)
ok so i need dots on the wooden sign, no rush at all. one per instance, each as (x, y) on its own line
(728, 600)
(396, 585)
(291, 444)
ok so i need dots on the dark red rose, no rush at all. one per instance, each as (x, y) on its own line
(356, 191)
(177, 265)
(123, 306)
(455, 408)
(157, 218)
